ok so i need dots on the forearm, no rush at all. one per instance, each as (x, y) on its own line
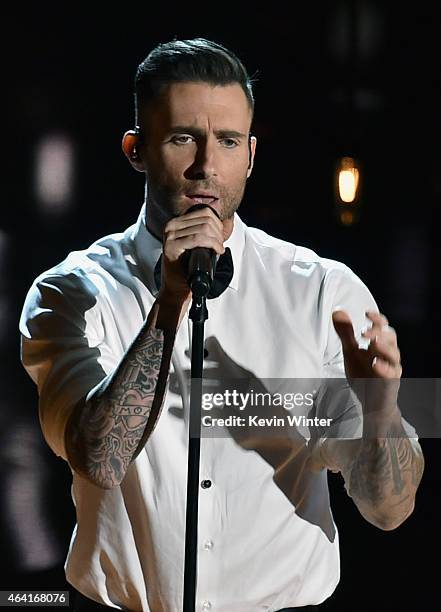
(107, 432)
(381, 472)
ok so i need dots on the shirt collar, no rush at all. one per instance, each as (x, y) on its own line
(148, 249)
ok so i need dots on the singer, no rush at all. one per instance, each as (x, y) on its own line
(105, 337)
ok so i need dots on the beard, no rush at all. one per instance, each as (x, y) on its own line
(166, 200)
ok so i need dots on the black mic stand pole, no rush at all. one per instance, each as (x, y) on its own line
(198, 314)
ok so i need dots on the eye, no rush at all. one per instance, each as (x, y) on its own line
(181, 140)
(229, 143)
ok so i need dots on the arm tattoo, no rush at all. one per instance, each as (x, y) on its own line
(107, 432)
(385, 476)
(117, 423)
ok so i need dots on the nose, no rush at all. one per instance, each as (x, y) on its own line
(204, 164)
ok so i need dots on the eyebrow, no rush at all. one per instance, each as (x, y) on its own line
(193, 131)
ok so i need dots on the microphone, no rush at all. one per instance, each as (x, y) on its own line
(201, 264)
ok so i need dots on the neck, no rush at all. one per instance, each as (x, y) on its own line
(228, 227)
(155, 220)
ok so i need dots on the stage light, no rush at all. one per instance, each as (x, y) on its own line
(54, 173)
(347, 181)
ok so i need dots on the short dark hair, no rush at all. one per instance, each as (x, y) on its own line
(196, 60)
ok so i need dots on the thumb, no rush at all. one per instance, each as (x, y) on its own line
(344, 328)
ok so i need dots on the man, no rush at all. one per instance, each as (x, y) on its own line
(104, 330)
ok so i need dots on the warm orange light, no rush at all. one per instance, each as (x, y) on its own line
(347, 217)
(348, 180)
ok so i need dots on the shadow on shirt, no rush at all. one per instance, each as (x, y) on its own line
(282, 447)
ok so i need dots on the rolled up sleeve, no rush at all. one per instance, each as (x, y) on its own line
(62, 348)
(336, 400)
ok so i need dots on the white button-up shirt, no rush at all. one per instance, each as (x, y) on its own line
(266, 535)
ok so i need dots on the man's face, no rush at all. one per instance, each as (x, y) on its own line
(196, 144)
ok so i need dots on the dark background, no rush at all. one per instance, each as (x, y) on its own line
(333, 78)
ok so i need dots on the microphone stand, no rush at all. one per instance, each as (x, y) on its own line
(198, 314)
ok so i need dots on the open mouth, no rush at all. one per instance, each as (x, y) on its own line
(202, 199)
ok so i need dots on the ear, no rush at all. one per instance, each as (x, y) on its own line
(252, 151)
(130, 147)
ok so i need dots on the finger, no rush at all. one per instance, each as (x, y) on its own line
(386, 334)
(199, 228)
(378, 348)
(199, 208)
(385, 370)
(206, 212)
(190, 242)
(344, 328)
(378, 319)
(190, 220)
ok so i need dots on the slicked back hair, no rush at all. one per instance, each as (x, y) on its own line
(180, 61)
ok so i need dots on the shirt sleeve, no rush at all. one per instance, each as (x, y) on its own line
(62, 348)
(335, 399)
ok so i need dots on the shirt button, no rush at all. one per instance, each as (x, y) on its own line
(206, 484)
(206, 605)
(208, 544)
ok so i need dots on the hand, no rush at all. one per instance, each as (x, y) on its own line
(381, 360)
(200, 228)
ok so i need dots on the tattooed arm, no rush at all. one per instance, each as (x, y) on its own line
(109, 430)
(383, 469)
(381, 472)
